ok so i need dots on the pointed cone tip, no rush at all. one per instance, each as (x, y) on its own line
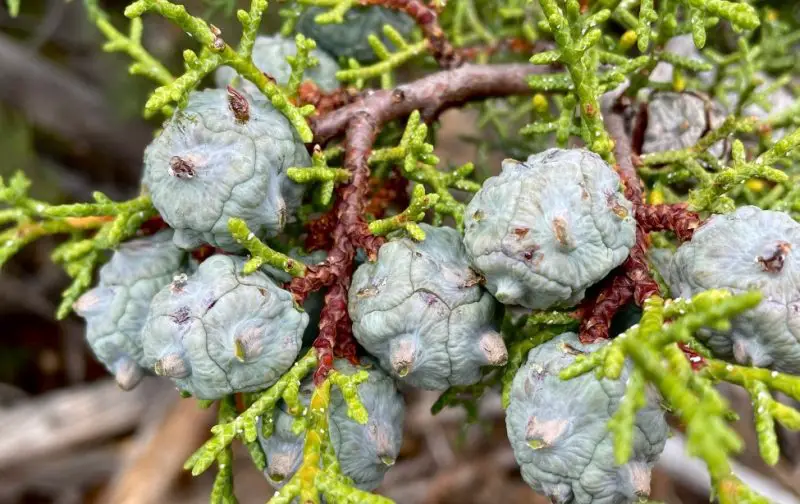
(494, 348)
(508, 291)
(128, 374)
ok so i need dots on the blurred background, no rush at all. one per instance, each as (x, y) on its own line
(70, 118)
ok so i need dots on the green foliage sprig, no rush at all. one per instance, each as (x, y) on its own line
(319, 475)
(319, 171)
(470, 22)
(260, 253)
(759, 382)
(13, 7)
(596, 63)
(712, 187)
(408, 218)
(389, 61)
(222, 489)
(576, 37)
(300, 62)
(244, 425)
(131, 44)
(415, 155)
(652, 347)
(110, 222)
(383, 70)
(214, 53)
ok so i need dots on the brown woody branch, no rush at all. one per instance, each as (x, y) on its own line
(428, 21)
(430, 95)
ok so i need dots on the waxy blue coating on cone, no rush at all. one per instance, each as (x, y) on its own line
(420, 310)
(733, 252)
(546, 229)
(116, 309)
(239, 170)
(678, 120)
(218, 332)
(559, 430)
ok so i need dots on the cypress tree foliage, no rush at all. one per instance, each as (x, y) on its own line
(572, 74)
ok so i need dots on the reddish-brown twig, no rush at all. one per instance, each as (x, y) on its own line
(637, 269)
(695, 359)
(428, 21)
(388, 192)
(616, 292)
(334, 335)
(351, 231)
(632, 281)
(676, 218)
(320, 231)
(309, 93)
(623, 151)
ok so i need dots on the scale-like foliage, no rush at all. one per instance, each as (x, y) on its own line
(677, 123)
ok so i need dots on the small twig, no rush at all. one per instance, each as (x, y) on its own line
(615, 293)
(260, 253)
(324, 102)
(431, 95)
(408, 218)
(676, 218)
(428, 21)
(633, 280)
